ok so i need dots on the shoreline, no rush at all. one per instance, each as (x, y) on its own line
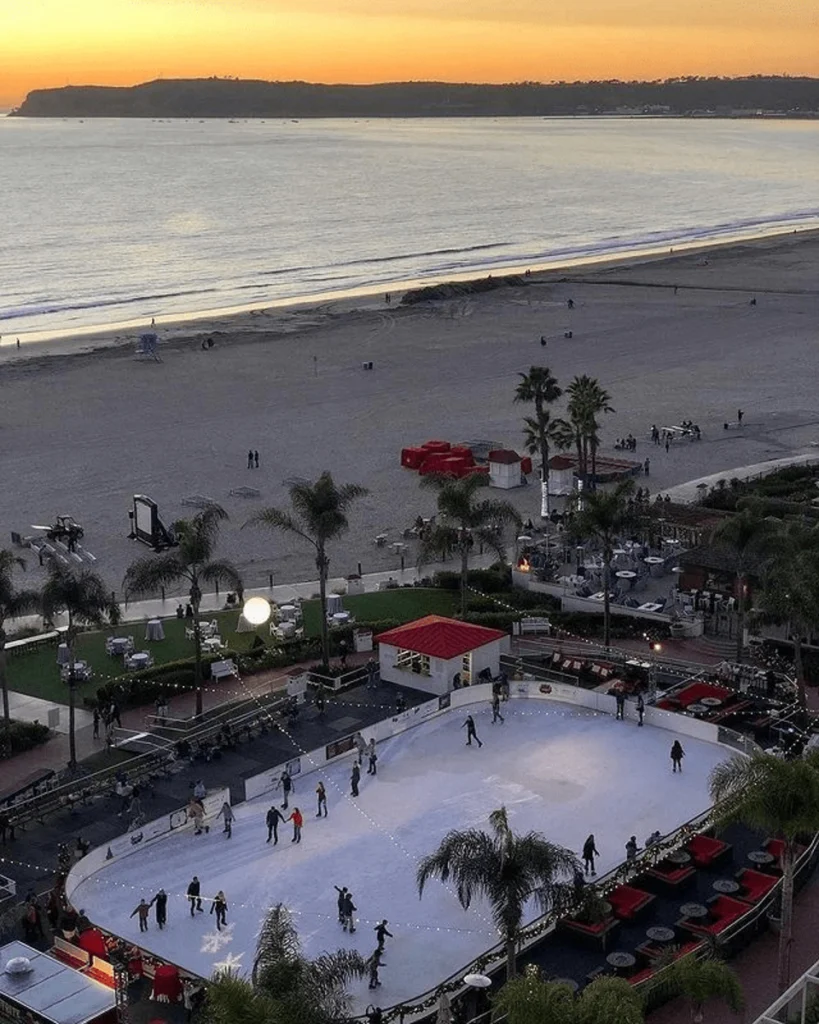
(298, 314)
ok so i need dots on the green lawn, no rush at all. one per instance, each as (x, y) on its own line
(36, 673)
(404, 605)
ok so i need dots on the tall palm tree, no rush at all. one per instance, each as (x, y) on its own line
(285, 987)
(604, 516)
(464, 519)
(83, 597)
(13, 603)
(528, 999)
(319, 516)
(746, 536)
(540, 388)
(780, 798)
(504, 868)
(191, 562)
(700, 980)
(587, 400)
(789, 592)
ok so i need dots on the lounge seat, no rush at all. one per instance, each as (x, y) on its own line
(670, 875)
(706, 850)
(627, 901)
(755, 885)
(724, 910)
(596, 935)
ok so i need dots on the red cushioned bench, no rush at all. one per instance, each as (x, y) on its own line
(670, 874)
(654, 950)
(641, 976)
(627, 902)
(723, 911)
(705, 850)
(754, 884)
(695, 692)
(592, 934)
(776, 847)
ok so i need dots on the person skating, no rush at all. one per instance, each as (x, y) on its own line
(381, 933)
(372, 759)
(321, 800)
(677, 754)
(228, 815)
(342, 896)
(375, 1015)
(219, 905)
(196, 812)
(355, 778)
(285, 784)
(193, 894)
(374, 963)
(142, 909)
(641, 708)
(272, 819)
(590, 851)
(348, 909)
(631, 848)
(469, 725)
(620, 700)
(496, 709)
(361, 747)
(160, 901)
(298, 820)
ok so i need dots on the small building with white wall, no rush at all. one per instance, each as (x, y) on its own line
(505, 469)
(561, 475)
(429, 653)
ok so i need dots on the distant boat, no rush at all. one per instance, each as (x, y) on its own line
(293, 120)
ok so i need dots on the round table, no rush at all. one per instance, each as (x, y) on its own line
(660, 934)
(119, 644)
(621, 960)
(679, 857)
(726, 886)
(63, 654)
(524, 538)
(654, 564)
(760, 857)
(626, 574)
(139, 660)
(287, 611)
(154, 630)
(698, 708)
(712, 702)
(694, 910)
(341, 618)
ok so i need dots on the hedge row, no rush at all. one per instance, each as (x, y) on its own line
(25, 736)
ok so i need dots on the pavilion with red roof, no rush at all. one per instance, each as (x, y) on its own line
(429, 653)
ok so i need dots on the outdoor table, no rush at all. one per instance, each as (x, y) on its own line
(760, 857)
(524, 538)
(119, 644)
(671, 543)
(650, 606)
(660, 934)
(697, 709)
(619, 552)
(621, 960)
(154, 630)
(712, 702)
(726, 885)
(694, 910)
(287, 629)
(213, 643)
(654, 564)
(139, 660)
(626, 574)
(341, 618)
(679, 857)
(63, 654)
(287, 611)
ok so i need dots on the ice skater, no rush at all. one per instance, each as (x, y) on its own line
(193, 894)
(355, 778)
(219, 906)
(372, 759)
(496, 709)
(142, 909)
(374, 964)
(196, 812)
(321, 800)
(272, 819)
(342, 896)
(641, 708)
(285, 784)
(677, 754)
(298, 820)
(590, 851)
(348, 909)
(361, 747)
(372, 672)
(381, 933)
(631, 848)
(160, 902)
(620, 700)
(228, 815)
(469, 725)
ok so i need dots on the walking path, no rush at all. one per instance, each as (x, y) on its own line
(689, 492)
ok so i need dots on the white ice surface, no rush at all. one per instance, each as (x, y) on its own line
(558, 769)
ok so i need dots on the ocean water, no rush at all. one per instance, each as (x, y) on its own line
(107, 222)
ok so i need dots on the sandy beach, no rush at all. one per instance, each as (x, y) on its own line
(84, 426)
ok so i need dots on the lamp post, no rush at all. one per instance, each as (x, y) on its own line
(478, 983)
(256, 610)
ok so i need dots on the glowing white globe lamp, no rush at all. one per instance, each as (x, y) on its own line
(256, 610)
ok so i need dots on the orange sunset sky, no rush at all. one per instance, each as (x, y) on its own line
(57, 42)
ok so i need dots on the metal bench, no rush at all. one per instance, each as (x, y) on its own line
(223, 670)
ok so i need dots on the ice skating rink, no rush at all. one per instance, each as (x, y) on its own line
(559, 769)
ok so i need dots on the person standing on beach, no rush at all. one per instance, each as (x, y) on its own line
(250, 458)
(740, 414)
(255, 459)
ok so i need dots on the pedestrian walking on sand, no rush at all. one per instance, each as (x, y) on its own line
(740, 414)
(677, 754)
(590, 851)
(667, 443)
(641, 708)
(272, 819)
(321, 800)
(142, 909)
(646, 466)
(471, 734)
(193, 894)
(285, 784)
(160, 901)
(298, 820)
(250, 458)
(496, 715)
(255, 459)
(219, 906)
(355, 778)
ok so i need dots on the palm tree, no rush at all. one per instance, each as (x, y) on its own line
(320, 516)
(464, 519)
(745, 535)
(505, 869)
(780, 798)
(12, 604)
(789, 592)
(539, 387)
(528, 999)
(85, 600)
(191, 561)
(587, 399)
(698, 981)
(285, 987)
(604, 516)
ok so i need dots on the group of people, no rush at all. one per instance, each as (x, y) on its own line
(626, 444)
(109, 716)
(252, 459)
(346, 911)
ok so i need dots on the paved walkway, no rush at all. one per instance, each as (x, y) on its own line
(689, 492)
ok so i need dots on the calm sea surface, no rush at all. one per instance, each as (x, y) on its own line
(105, 221)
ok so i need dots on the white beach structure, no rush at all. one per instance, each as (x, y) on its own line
(505, 469)
(429, 653)
(561, 475)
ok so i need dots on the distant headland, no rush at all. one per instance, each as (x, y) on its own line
(231, 98)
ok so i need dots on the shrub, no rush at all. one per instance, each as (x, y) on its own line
(487, 581)
(25, 736)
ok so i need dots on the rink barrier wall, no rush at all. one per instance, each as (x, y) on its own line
(138, 839)
(532, 689)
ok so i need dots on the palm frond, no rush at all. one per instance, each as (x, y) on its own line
(278, 519)
(278, 940)
(148, 575)
(224, 572)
